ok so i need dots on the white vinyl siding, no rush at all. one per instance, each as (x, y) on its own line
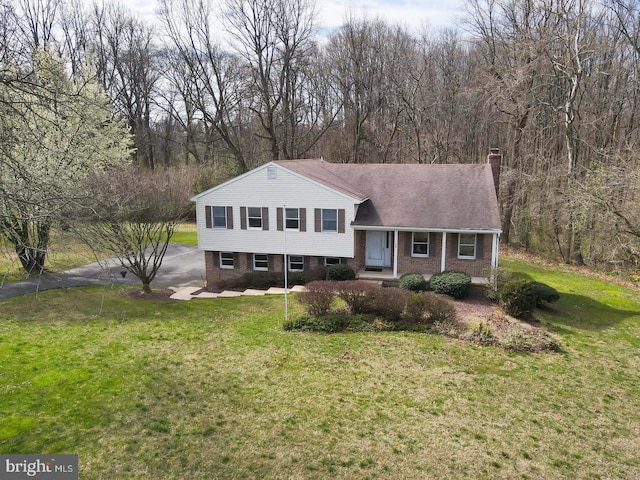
(254, 189)
(467, 246)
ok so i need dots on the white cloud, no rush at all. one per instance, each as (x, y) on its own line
(331, 13)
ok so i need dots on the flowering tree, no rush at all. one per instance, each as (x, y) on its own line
(55, 132)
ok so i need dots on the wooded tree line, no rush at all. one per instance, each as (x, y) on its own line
(236, 83)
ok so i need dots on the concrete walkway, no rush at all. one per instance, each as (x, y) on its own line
(187, 293)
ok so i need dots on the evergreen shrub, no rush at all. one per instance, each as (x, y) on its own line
(414, 282)
(518, 298)
(450, 282)
(340, 272)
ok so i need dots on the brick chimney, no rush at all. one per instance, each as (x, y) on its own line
(495, 160)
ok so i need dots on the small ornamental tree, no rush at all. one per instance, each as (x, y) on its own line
(134, 215)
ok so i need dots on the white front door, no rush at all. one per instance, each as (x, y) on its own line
(378, 249)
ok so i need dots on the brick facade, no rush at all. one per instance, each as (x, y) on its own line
(243, 262)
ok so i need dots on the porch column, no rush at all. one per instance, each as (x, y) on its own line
(395, 254)
(494, 250)
(443, 263)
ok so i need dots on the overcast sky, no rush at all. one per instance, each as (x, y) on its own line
(412, 13)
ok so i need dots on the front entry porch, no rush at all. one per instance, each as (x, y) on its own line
(386, 275)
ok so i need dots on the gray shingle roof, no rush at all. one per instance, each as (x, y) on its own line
(439, 197)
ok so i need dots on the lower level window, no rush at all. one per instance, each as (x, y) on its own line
(261, 261)
(226, 260)
(296, 263)
(467, 246)
(332, 261)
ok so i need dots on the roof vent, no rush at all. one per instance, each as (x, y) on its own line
(272, 173)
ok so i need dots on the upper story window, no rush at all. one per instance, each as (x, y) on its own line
(329, 220)
(254, 216)
(292, 219)
(467, 246)
(219, 215)
(420, 244)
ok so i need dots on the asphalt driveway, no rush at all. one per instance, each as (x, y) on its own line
(183, 265)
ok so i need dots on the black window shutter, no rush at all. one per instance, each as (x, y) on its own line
(480, 246)
(341, 220)
(243, 218)
(432, 244)
(265, 218)
(216, 259)
(230, 218)
(453, 245)
(408, 243)
(279, 218)
(207, 215)
(303, 219)
(318, 219)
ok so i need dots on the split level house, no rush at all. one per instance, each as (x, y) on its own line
(381, 219)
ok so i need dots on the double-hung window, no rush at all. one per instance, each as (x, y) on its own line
(292, 218)
(296, 263)
(254, 216)
(467, 246)
(226, 260)
(420, 244)
(219, 217)
(261, 262)
(329, 220)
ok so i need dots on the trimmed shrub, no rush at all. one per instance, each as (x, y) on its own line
(390, 303)
(330, 323)
(340, 272)
(415, 310)
(544, 293)
(438, 309)
(359, 296)
(452, 283)
(318, 297)
(414, 282)
(518, 298)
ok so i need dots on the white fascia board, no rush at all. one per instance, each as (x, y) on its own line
(418, 229)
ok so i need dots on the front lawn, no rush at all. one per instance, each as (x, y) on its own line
(217, 389)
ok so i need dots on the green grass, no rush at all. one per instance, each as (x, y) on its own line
(186, 233)
(216, 389)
